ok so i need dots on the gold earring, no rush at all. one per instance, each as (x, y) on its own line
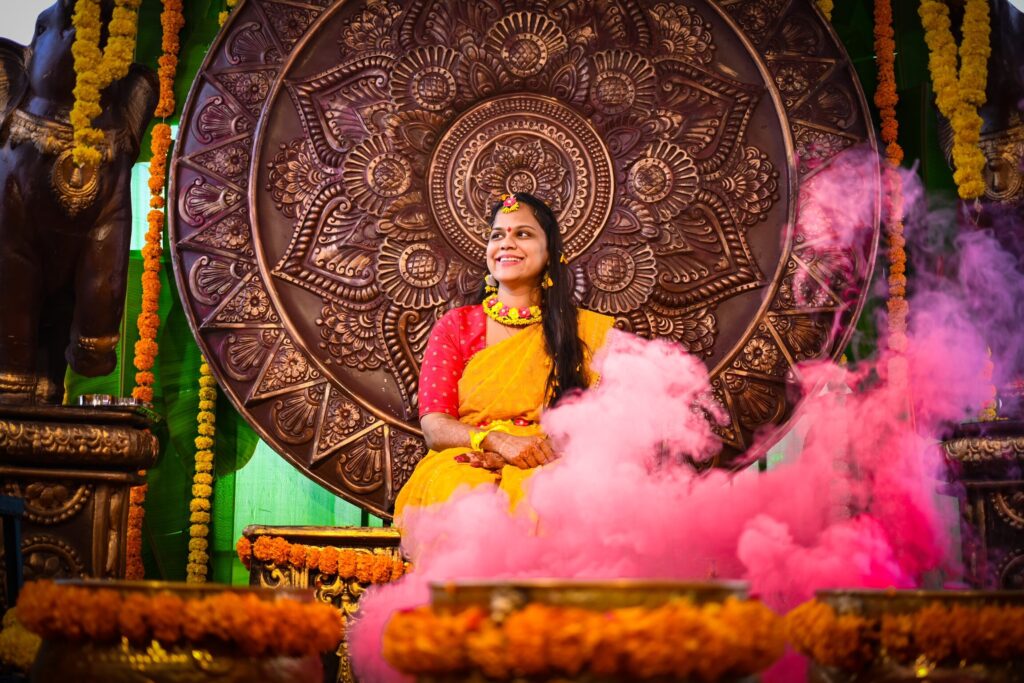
(490, 284)
(547, 282)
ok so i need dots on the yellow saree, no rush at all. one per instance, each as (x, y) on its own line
(504, 381)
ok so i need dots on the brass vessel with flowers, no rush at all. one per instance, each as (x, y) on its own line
(156, 632)
(571, 631)
(911, 635)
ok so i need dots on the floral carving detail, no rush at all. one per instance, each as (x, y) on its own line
(792, 80)
(250, 304)
(252, 44)
(249, 87)
(526, 41)
(370, 29)
(665, 178)
(406, 451)
(289, 367)
(423, 79)
(295, 415)
(351, 336)
(624, 81)
(294, 177)
(684, 35)
(289, 22)
(752, 186)
(407, 218)
(203, 200)
(815, 147)
(373, 174)
(212, 278)
(361, 466)
(761, 355)
(348, 416)
(218, 119)
(412, 275)
(246, 352)
(523, 165)
(621, 278)
(804, 335)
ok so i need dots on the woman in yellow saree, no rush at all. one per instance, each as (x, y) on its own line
(490, 369)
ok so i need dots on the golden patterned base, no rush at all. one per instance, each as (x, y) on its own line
(894, 673)
(986, 461)
(340, 591)
(73, 467)
(155, 663)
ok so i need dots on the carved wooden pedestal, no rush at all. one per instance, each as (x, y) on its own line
(341, 587)
(987, 468)
(73, 467)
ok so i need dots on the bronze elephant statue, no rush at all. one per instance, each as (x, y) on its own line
(64, 229)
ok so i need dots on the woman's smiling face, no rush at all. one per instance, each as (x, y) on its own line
(517, 249)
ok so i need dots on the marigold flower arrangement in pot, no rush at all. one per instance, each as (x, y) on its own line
(101, 631)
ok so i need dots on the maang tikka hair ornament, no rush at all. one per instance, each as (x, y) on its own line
(509, 203)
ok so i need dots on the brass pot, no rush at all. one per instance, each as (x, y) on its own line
(874, 604)
(65, 661)
(501, 598)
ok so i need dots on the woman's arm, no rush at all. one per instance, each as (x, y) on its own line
(442, 431)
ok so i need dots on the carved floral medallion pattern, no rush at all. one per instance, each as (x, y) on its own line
(331, 198)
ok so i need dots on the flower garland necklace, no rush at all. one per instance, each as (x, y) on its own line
(95, 69)
(507, 315)
(958, 96)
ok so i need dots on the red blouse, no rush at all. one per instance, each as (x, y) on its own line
(460, 333)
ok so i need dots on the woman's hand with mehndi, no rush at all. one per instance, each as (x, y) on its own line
(524, 452)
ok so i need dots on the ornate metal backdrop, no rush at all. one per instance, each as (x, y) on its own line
(335, 161)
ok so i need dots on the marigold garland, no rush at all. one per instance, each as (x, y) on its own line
(95, 69)
(202, 480)
(958, 97)
(678, 640)
(18, 645)
(171, 21)
(956, 635)
(362, 565)
(222, 18)
(257, 627)
(826, 8)
(886, 99)
(148, 321)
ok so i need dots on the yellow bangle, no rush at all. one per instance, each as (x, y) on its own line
(476, 439)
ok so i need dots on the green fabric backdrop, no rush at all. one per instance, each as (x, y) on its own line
(255, 486)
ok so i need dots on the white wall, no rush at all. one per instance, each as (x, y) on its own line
(19, 18)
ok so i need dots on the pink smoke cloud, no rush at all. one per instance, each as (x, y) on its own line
(854, 505)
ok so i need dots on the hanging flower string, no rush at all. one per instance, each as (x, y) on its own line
(886, 99)
(222, 18)
(826, 8)
(958, 96)
(95, 69)
(202, 480)
(146, 349)
(148, 322)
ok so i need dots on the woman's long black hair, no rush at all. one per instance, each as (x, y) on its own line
(560, 322)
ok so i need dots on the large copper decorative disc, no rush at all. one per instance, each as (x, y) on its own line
(336, 161)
